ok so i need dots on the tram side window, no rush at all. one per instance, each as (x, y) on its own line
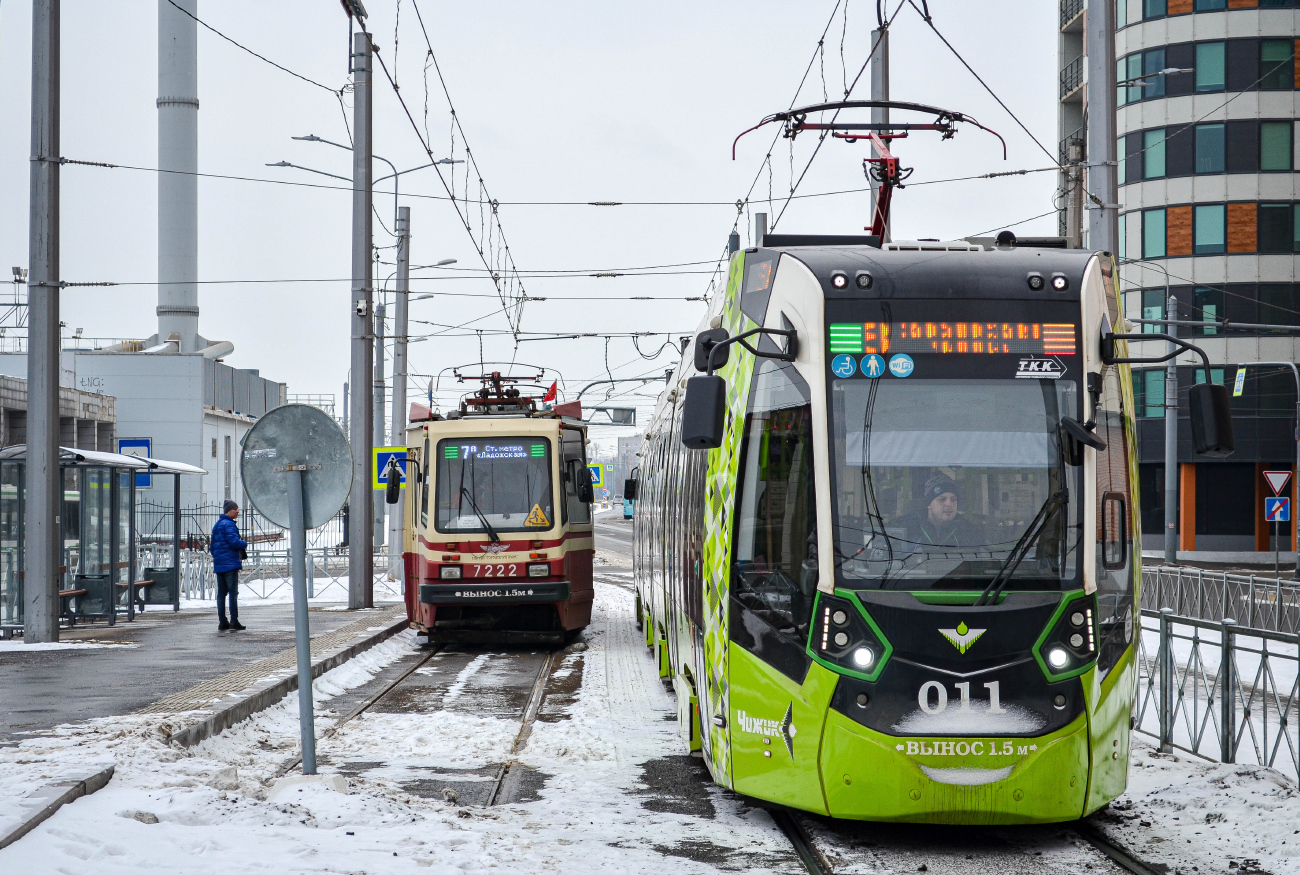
(1114, 560)
(573, 461)
(424, 487)
(775, 569)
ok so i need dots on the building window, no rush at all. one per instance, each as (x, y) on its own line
(1153, 392)
(1208, 305)
(1153, 233)
(1153, 307)
(1153, 154)
(1274, 231)
(214, 448)
(1210, 223)
(1275, 303)
(1211, 5)
(1210, 66)
(1153, 8)
(1276, 393)
(227, 467)
(1275, 145)
(1209, 148)
(1295, 229)
(1153, 61)
(1276, 69)
(1123, 237)
(1216, 376)
(1131, 69)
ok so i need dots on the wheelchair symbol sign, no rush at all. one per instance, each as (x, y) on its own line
(843, 366)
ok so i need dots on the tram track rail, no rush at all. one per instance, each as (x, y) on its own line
(531, 708)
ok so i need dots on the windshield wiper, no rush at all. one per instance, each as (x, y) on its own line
(1021, 547)
(496, 539)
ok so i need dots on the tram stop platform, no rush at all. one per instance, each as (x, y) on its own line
(176, 663)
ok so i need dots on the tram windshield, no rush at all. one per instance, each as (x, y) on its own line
(951, 483)
(494, 485)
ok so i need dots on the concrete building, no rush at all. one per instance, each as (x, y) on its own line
(87, 421)
(1210, 212)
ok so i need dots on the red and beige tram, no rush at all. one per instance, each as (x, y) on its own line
(498, 535)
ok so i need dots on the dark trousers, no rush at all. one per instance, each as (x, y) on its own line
(228, 585)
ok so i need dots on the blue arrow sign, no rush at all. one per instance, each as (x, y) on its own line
(1277, 510)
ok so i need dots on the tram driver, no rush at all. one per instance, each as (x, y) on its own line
(938, 523)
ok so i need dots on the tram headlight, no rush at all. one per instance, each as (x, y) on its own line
(1058, 658)
(845, 638)
(1060, 282)
(840, 280)
(539, 569)
(449, 572)
(1070, 645)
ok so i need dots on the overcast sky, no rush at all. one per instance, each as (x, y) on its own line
(563, 101)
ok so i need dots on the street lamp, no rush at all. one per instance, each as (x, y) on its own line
(1141, 82)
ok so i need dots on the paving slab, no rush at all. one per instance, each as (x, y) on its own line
(122, 669)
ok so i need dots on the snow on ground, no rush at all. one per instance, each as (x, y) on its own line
(1196, 816)
(19, 646)
(210, 802)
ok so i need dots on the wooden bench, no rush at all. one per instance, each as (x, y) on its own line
(65, 603)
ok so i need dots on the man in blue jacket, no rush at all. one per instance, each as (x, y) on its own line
(227, 548)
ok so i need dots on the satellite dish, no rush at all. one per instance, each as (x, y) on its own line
(308, 439)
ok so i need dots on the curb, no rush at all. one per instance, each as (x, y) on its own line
(269, 692)
(56, 796)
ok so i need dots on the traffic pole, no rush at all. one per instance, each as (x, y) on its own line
(1171, 437)
(377, 497)
(361, 508)
(397, 420)
(41, 538)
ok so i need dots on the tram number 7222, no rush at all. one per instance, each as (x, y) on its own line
(511, 570)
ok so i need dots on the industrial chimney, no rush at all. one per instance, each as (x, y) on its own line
(178, 150)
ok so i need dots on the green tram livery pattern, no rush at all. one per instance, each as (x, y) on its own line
(949, 637)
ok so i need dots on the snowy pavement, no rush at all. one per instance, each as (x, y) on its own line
(603, 786)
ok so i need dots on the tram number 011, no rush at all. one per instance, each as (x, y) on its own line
(501, 571)
(933, 697)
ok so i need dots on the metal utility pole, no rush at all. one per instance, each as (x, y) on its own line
(1171, 437)
(381, 313)
(401, 327)
(41, 541)
(361, 530)
(1099, 47)
(760, 228)
(1074, 195)
(879, 91)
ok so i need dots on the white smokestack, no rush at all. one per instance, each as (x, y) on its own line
(178, 149)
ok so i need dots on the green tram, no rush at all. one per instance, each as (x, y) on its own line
(901, 585)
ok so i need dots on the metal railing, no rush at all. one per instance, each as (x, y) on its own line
(266, 574)
(1258, 601)
(1070, 10)
(1072, 76)
(1219, 690)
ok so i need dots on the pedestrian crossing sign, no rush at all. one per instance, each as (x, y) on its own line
(381, 455)
(597, 475)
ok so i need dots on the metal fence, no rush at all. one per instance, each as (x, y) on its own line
(266, 574)
(1219, 690)
(1258, 601)
(1072, 76)
(1070, 10)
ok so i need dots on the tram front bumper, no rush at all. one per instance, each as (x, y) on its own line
(500, 593)
(868, 777)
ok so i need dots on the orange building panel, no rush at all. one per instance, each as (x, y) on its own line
(1179, 7)
(1243, 4)
(1241, 227)
(1178, 230)
(1186, 506)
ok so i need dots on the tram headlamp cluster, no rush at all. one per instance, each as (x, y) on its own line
(539, 569)
(1060, 282)
(840, 279)
(449, 572)
(1071, 645)
(863, 280)
(843, 637)
(1036, 282)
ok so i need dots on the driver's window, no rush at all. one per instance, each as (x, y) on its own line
(573, 470)
(775, 571)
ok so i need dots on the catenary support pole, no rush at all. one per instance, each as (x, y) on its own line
(41, 539)
(301, 629)
(378, 439)
(1171, 438)
(879, 91)
(401, 327)
(361, 509)
(1074, 194)
(1099, 46)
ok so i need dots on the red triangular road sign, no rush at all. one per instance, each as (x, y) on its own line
(1277, 480)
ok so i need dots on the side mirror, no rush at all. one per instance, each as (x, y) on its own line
(1076, 430)
(629, 489)
(704, 412)
(585, 491)
(705, 341)
(1211, 413)
(393, 486)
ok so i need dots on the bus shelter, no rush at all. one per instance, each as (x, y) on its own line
(98, 573)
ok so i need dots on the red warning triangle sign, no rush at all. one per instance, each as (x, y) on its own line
(1277, 480)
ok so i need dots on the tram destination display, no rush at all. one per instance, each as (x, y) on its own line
(953, 338)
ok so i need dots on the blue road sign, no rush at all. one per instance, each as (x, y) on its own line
(873, 365)
(1277, 510)
(843, 366)
(901, 365)
(140, 448)
(381, 457)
